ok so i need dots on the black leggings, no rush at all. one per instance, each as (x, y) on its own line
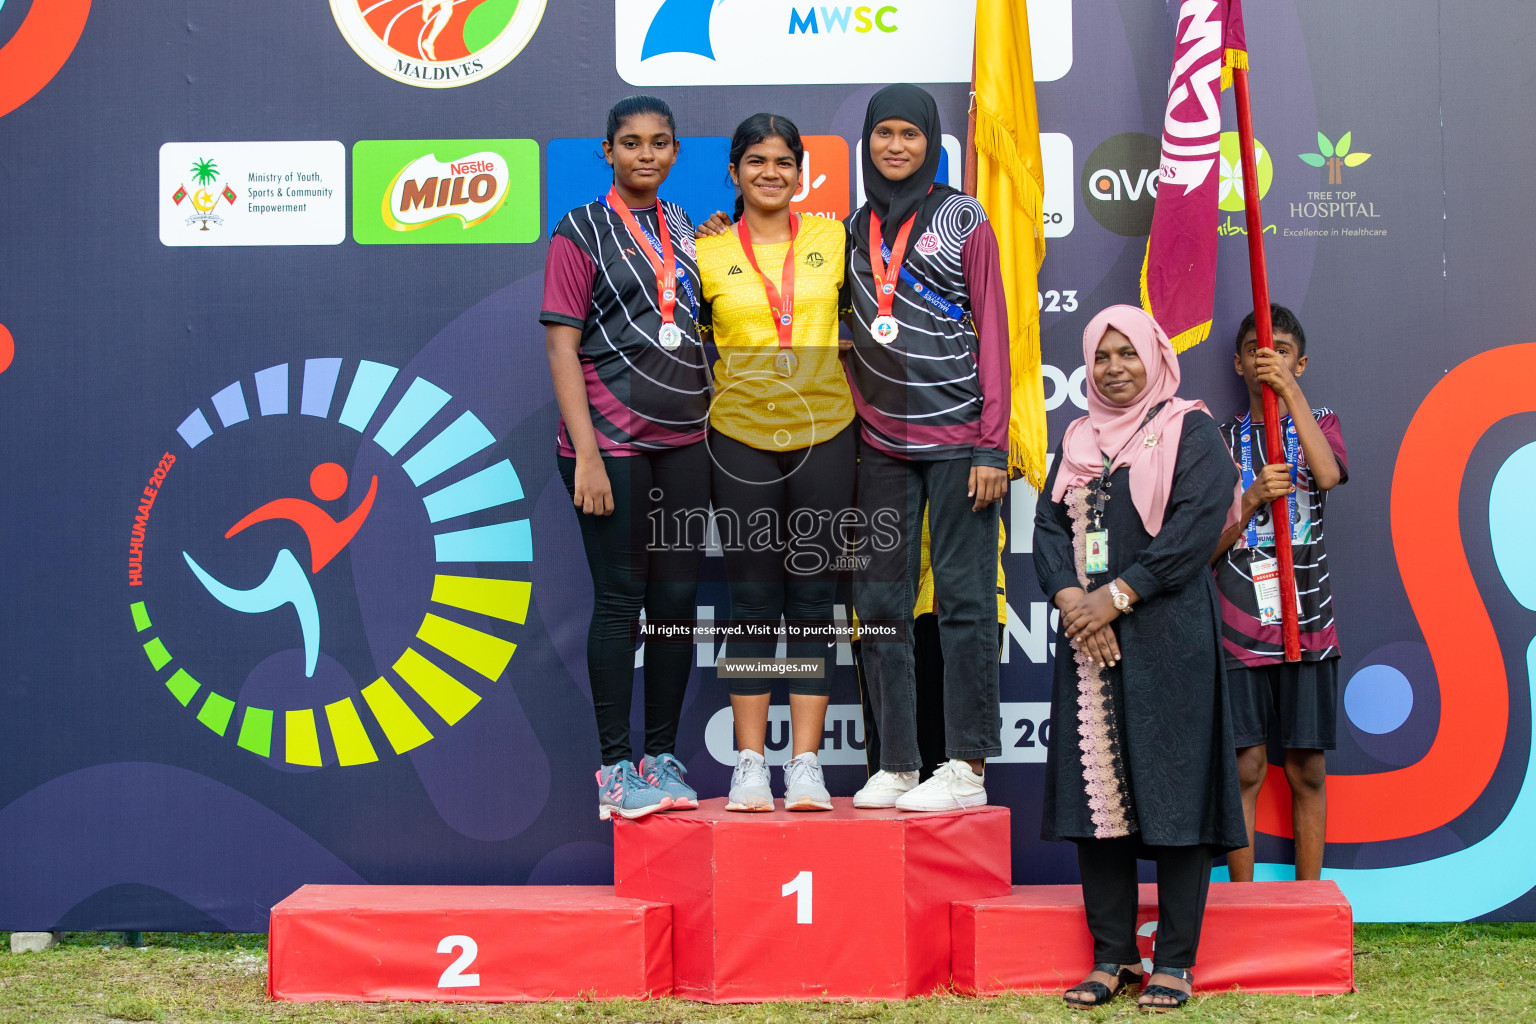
(776, 514)
(1108, 867)
(631, 570)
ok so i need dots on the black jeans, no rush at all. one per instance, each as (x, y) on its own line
(963, 553)
(1108, 867)
(928, 672)
(776, 513)
(645, 555)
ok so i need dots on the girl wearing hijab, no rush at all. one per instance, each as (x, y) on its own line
(621, 316)
(782, 442)
(1141, 761)
(930, 379)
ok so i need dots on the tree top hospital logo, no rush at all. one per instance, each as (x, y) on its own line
(437, 44)
(246, 609)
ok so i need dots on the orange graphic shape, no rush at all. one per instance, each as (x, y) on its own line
(400, 26)
(7, 348)
(41, 45)
(1432, 561)
(326, 536)
(826, 163)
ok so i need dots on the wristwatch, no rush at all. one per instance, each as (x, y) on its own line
(1121, 598)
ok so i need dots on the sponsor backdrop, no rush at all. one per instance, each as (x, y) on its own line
(293, 592)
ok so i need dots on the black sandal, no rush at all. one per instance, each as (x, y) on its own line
(1101, 992)
(1179, 996)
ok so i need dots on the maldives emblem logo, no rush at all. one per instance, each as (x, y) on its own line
(317, 613)
(204, 201)
(437, 44)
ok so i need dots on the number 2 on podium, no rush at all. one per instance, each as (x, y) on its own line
(800, 885)
(454, 976)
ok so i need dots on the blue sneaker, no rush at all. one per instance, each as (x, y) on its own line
(621, 791)
(666, 772)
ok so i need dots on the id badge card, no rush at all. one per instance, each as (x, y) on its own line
(1266, 588)
(1096, 551)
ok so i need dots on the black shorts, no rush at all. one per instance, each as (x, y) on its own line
(1303, 696)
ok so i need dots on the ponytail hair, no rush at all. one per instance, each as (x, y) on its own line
(761, 128)
(634, 106)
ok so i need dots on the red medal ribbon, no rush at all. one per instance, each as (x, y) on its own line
(782, 307)
(664, 265)
(886, 276)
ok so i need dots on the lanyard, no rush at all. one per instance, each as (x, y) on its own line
(953, 310)
(887, 273)
(781, 306)
(659, 254)
(1292, 450)
(1100, 487)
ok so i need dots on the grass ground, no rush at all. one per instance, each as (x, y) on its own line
(1405, 973)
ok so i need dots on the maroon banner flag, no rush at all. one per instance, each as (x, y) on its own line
(1178, 274)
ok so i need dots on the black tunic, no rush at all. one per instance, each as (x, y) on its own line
(1145, 747)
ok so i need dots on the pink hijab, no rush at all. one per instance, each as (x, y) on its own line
(1109, 429)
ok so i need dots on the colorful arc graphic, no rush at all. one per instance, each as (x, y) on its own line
(41, 45)
(353, 729)
(1474, 685)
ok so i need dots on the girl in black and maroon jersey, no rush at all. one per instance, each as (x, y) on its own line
(621, 294)
(929, 374)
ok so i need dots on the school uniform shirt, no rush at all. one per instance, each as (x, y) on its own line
(1246, 642)
(941, 389)
(755, 405)
(642, 396)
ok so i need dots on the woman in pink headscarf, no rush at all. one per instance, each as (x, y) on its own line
(1141, 760)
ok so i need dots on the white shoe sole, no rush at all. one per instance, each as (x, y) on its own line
(807, 803)
(684, 805)
(752, 808)
(952, 804)
(872, 803)
(606, 811)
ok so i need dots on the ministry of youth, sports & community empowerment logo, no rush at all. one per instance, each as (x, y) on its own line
(437, 44)
(244, 605)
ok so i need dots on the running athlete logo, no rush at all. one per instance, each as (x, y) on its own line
(416, 612)
(286, 583)
(437, 44)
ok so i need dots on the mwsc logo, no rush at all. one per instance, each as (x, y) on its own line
(244, 606)
(771, 42)
(437, 44)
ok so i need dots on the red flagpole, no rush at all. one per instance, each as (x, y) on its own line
(1280, 510)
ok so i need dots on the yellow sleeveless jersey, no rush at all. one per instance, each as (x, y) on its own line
(754, 404)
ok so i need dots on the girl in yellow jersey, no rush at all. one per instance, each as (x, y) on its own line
(782, 448)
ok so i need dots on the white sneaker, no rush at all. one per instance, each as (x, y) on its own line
(804, 787)
(749, 784)
(883, 788)
(953, 787)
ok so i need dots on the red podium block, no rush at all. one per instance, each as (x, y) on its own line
(810, 905)
(1275, 937)
(467, 943)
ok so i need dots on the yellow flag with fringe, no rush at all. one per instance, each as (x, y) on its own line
(1005, 173)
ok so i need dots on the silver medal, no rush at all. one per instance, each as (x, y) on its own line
(671, 336)
(884, 329)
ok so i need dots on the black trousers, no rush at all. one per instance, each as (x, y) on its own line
(963, 556)
(928, 670)
(645, 555)
(776, 514)
(1108, 868)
